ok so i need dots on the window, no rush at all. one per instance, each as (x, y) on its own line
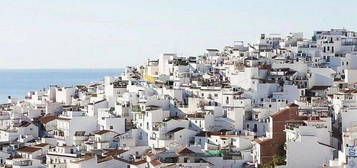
(111, 127)
(141, 136)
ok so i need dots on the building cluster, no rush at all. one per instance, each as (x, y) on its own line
(280, 102)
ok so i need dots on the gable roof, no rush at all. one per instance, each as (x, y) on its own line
(280, 112)
(292, 105)
(185, 151)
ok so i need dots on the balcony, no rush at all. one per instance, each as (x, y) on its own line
(22, 163)
(57, 153)
(58, 134)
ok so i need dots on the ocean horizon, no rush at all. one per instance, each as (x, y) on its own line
(18, 82)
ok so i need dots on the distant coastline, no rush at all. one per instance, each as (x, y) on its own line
(17, 82)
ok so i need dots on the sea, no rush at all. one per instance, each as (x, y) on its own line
(18, 82)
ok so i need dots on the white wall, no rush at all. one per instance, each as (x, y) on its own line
(350, 76)
(307, 153)
(349, 118)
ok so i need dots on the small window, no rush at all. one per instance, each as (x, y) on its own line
(111, 127)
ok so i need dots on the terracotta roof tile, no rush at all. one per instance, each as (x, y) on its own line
(101, 132)
(46, 119)
(155, 162)
(139, 162)
(28, 149)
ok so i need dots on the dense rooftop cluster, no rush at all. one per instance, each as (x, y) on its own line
(287, 101)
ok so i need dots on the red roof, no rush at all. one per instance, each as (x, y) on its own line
(139, 162)
(46, 119)
(115, 152)
(315, 121)
(185, 151)
(101, 132)
(292, 105)
(28, 149)
(155, 162)
(61, 118)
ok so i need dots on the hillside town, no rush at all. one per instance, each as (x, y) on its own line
(282, 101)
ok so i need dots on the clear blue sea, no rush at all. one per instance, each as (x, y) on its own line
(17, 82)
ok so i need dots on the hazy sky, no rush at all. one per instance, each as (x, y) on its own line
(116, 33)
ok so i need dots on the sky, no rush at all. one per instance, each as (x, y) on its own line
(119, 33)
